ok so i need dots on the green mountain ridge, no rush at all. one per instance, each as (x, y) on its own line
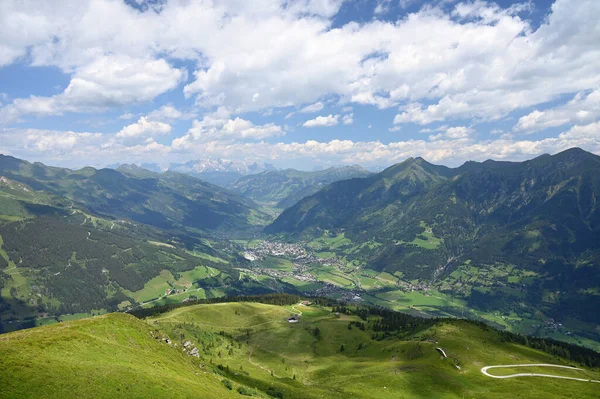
(76, 243)
(167, 201)
(439, 225)
(281, 189)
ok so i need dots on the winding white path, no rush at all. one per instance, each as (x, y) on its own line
(485, 369)
(299, 311)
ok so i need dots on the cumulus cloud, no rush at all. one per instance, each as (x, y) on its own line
(220, 126)
(348, 119)
(109, 81)
(76, 148)
(371, 153)
(322, 121)
(102, 149)
(144, 128)
(453, 133)
(382, 7)
(470, 61)
(583, 108)
(484, 61)
(126, 116)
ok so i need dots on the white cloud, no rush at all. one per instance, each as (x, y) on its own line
(83, 148)
(316, 107)
(453, 133)
(368, 153)
(348, 119)
(407, 3)
(395, 129)
(220, 126)
(170, 113)
(144, 128)
(583, 108)
(322, 121)
(110, 81)
(482, 62)
(166, 112)
(474, 60)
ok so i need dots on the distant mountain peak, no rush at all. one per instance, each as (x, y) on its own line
(576, 153)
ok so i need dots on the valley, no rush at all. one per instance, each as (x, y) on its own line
(300, 199)
(388, 249)
(313, 270)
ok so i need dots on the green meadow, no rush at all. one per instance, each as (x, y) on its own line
(252, 348)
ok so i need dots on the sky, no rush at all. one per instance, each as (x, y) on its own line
(304, 84)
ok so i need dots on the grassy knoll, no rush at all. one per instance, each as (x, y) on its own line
(264, 350)
(329, 241)
(228, 316)
(103, 357)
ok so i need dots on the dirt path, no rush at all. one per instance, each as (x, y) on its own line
(299, 311)
(485, 369)
(259, 366)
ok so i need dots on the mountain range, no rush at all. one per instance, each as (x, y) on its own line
(94, 240)
(281, 189)
(515, 244)
(216, 171)
(169, 200)
(501, 236)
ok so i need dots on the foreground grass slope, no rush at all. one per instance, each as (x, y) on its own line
(260, 348)
(103, 357)
(252, 348)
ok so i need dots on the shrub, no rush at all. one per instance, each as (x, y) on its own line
(242, 390)
(274, 393)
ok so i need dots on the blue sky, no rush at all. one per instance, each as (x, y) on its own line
(305, 84)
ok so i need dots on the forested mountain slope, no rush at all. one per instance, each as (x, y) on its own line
(93, 241)
(441, 225)
(167, 201)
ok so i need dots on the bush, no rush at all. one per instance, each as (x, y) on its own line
(227, 384)
(274, 393)
(242, 390)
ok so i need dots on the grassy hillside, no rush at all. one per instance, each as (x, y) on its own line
(104, 357)
(258, 346)
(251, 348)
